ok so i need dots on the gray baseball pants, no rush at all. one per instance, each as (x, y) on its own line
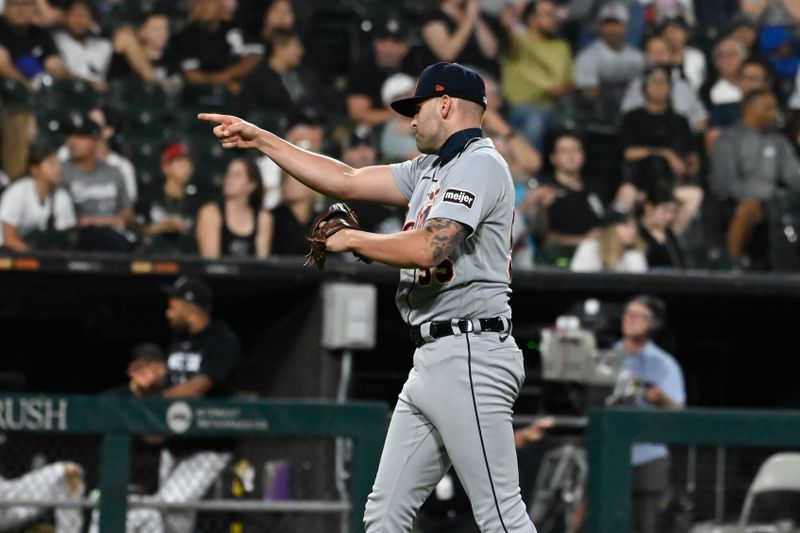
(455, 408)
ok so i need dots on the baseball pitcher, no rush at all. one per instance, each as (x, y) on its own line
(455, 256)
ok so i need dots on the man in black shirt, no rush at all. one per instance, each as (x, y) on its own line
(279, 84)
(201, 361)
(390, 55)
(575, 212)
(203, 353)
(211, 50)
(26, 51)
(166, 216)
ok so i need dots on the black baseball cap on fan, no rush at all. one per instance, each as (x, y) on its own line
(443, 78)
(192, 290)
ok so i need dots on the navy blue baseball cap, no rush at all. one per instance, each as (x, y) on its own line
(443, 78)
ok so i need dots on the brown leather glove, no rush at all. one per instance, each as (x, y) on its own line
(334, 219)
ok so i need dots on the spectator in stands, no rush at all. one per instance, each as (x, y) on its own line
(753, 75)
(109, 147)
(88, 55)
(279, 15)
(690, 61)
(537, 72)
(279, 84)
(654, 130)
(683, 98)
(575, 214)
(397, 139)
(303, 130)
(259, 17)
(211, 50)
(155, 62)
(724, 94)
(290, 220)
(605, 67)
(744, 29)
(523, 159)
(390, 55)
(617, 248)
(26, 51)
(660, 229)
(235, 226)
(656, 382)
(358, 151)
(780, 50)
(98, 191)
(665, 9)
(750, 160)
(458, 32)
(84, 54)
(166, 217)
(772, 12)
(35, 204)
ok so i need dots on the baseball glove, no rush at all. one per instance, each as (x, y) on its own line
(334, 219)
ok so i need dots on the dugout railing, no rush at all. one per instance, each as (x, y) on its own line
(612, 432)
(117, 420)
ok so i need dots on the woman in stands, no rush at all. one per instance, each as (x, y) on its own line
(236, 226)
(618, 248)
(659, 228)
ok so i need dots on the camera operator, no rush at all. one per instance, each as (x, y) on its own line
(650, 378)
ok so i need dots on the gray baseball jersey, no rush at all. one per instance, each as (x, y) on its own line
(455, 407)
(475, 189)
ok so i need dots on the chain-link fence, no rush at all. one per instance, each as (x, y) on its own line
(44, 480)
(717, 471)
(186, 485)
(245, 478)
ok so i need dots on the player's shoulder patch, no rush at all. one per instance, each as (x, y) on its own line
(460, 197)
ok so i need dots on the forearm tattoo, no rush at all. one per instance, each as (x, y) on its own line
(443, 235)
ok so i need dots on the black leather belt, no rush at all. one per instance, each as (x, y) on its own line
(430, 331)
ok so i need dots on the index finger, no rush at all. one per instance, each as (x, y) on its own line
(214, 117)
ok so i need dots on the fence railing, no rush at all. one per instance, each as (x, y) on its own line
(119, 419)
(612, 432)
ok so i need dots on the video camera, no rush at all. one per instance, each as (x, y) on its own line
(570, 354)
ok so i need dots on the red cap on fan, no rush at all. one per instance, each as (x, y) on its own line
(174, 151)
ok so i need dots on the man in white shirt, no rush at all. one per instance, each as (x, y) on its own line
(35, 203)
(84, 54)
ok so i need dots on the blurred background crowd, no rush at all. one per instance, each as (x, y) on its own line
(642, 134)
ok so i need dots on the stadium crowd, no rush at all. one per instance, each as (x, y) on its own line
(641, 134)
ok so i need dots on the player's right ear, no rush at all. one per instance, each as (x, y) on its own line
(445, 106)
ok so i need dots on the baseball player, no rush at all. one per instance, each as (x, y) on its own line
(454, 255)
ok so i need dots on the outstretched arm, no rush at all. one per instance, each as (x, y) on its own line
(321, 173)
(425, 247)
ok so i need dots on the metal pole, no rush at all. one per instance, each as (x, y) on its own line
(719, 486)
(342, 448)
(114, 472)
